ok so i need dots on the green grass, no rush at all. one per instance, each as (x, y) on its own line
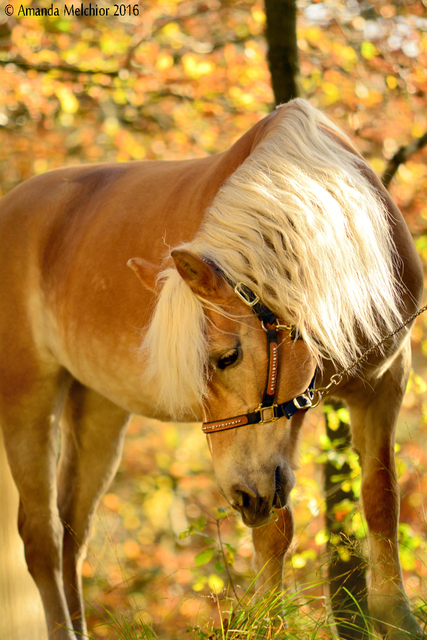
(281, 614)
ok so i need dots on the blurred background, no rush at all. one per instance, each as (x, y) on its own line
(171, 80)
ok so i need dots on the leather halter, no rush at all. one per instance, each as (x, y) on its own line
(268, 410)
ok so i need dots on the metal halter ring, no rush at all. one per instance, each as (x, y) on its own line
(321, 391)
(278, 327)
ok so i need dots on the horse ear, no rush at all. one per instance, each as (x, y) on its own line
(200, 276)
(146, 271)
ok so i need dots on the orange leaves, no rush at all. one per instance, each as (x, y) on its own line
(152, 79)
(186, 79)
(131, 549)
(111, 501)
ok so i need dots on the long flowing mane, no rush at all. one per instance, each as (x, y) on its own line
(302, 226)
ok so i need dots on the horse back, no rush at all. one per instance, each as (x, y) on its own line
(68, 298)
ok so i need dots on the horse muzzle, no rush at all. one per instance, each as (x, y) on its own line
(254, 505)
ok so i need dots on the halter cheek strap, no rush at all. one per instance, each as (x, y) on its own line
(268, 410)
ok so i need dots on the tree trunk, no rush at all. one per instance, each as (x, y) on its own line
(282, 48)
(346, 571)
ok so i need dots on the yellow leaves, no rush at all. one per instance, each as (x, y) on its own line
(418, 128)
(157, 507)
(130, 516)
(313, 35)
(416, 499)
(332, 93)
(208, 139)
(110, 46)
(213, 96)
(406, 559)
(258, 15)
(417, 384)
(164, 62)
(131, 522)
(195, 67)
(321, 537)
(40, 165)
(334, 87)
(69, 103)
(163, 460)
(199, 584)
(336, 416)
(391, 82)
(128, 147)
(344, 553)
(47, 56)
(299, 560)
(405, 174)
(215, 583)
(368, 50)
(240, 97)
(165, 483)
(119, 96)
(349, 57)
(358, 525)
(173, 35)
(171, 435)
(111, 126)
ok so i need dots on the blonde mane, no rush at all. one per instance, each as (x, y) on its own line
(300, 224)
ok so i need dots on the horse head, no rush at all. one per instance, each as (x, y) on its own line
(254, 463)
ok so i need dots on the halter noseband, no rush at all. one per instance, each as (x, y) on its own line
(268, 410)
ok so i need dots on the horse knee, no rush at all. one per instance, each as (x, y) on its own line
(380, 504)
(42, 538)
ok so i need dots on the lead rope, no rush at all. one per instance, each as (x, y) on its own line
(337, 377)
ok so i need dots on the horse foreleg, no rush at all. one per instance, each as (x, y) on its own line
(271, 543)
(93, 430)
(29, 417)
(23, 615)
(374, 411)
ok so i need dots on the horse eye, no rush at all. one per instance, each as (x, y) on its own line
(228, 359)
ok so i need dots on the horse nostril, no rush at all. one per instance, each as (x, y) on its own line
(243, 497)
(246, 500)
(284, 483)
(253, 507)
(277, 480)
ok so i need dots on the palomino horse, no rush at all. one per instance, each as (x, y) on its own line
(289, 259)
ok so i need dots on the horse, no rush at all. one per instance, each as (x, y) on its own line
(227, 290)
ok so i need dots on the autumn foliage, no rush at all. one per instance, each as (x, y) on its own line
(174, 80)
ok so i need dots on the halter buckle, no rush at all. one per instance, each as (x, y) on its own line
(239, 290)
(308, 397)
(268, 414)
